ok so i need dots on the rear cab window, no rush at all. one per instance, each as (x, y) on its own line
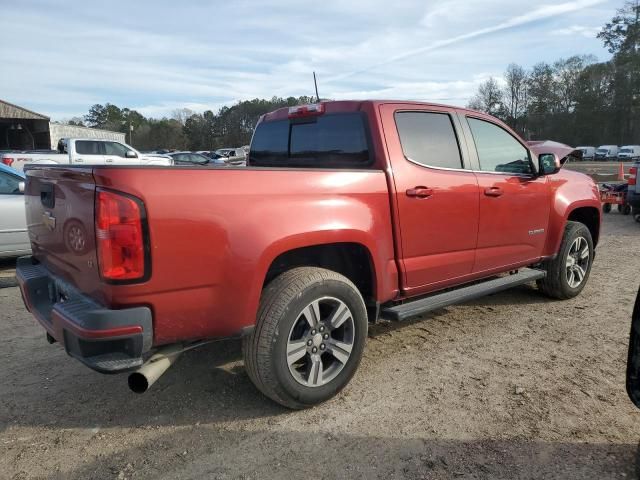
(338, 140)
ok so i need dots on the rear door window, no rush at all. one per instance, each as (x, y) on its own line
(88, 147)
(329, 141)
(428, 138)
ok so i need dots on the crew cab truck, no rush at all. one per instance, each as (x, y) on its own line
(347, 211)
(84, 151)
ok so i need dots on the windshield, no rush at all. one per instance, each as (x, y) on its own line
(602, 150)
(625, 150)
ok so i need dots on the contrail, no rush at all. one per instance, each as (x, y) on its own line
(541, 13)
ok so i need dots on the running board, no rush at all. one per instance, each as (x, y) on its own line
(459, 295)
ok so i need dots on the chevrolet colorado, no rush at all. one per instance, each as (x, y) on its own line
(347, 211)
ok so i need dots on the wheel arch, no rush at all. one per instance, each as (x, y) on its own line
(588, 216)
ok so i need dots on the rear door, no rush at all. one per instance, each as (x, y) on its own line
(88, 152)
(514, 202)
(436, 195)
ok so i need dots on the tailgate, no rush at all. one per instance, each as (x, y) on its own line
(60, 218)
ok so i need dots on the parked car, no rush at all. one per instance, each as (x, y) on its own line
(606, 152)
(633, 357)
(633, 190)
(14, 240)
(629, 152)
(192, 158)
(298, 258)
(84, 151)
(233, 156)
(588, 153)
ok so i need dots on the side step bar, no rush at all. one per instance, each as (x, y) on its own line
(459, 295)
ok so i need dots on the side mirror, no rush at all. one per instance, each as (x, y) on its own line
(21, 187)
(130, 154)
(548, 164)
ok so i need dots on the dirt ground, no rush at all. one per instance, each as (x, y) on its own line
(510, 386)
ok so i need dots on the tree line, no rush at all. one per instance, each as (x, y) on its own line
(184, 129)
(577, 101)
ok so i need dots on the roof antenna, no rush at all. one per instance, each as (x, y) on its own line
(315, 82)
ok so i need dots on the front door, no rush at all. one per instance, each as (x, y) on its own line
(436, 195)
(514, 202)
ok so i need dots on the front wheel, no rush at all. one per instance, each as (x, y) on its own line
(568, 272)
(309, 337)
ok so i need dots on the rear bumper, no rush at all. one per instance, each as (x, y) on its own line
(633, 199)
(108, 341)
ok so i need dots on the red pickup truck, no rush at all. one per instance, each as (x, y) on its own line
(346, 212)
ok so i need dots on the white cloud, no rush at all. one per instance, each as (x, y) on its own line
(581, 30)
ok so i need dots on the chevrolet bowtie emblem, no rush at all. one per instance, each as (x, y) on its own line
(49, 220)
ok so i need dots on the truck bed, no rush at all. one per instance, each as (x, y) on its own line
(211, 231)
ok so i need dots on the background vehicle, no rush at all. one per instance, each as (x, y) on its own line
(629, 152)
(14, 240)
(606, 152)
(80, 151)
(234, 156)
(299, 257)
(191, 158)
(633, 191)
(588, 153)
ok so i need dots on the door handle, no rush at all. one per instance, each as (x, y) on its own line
(494, 192)
(419, 192)
(109, 160)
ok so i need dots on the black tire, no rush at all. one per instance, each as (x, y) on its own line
(606, 208)
(281, 309)
(626, 209)
(556, 283)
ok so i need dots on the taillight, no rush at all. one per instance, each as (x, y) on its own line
(120, 237)
(633, 175)
(8, 161)
(306, 110)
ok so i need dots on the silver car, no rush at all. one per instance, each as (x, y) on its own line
(14, 240)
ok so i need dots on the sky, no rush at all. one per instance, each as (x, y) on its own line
(60, 57)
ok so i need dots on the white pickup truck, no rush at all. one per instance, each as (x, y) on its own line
(85, 151)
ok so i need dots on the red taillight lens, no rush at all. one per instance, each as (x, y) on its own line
(306, 110)
(8, 161)
(633, 175)
(120, 237)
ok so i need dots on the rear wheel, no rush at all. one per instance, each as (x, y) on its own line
(568, 272)
(626, 209)
(309, 337)
(606, 208)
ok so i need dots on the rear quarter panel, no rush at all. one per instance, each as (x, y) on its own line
(215, 231)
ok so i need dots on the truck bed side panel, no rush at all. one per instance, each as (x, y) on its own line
(215, 232)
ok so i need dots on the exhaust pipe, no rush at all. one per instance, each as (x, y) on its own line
(141, 380)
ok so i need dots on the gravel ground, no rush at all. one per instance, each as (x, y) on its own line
(510, 386)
